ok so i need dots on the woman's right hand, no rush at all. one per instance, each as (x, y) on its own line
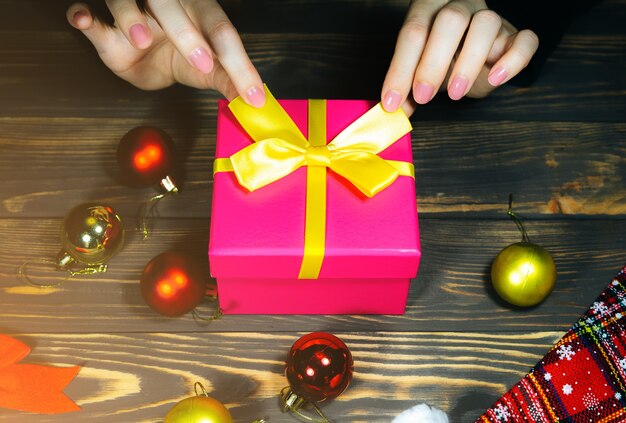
(187, 41)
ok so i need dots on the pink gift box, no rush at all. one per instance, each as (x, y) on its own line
(257, 238)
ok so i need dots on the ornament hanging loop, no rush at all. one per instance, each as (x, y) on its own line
(148, 208)
(199, 387)
(516, 218)
(22, 273)
(147, 211)
(100, 268)
(293, 402)
(217, 314)
(199, 318)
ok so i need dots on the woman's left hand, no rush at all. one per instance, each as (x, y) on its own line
(459, 45)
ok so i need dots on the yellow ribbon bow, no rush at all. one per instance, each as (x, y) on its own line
(279, 149)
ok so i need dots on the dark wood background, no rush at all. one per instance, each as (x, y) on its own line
(559, 145)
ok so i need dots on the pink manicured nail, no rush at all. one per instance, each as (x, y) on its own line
(256, 96)
(139, 35)
(392, 101)
(497, 76)
(457, 87)
(423, 93)
(201, 60)
(78, 16)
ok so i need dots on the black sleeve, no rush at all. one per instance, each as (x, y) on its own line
(549, 19)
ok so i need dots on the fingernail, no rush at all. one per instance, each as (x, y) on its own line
(201, 60)
(423, 93)
(139, 35)
(79, 16)
(497, 76)
(392, 101)
(457, 87)
(256, 96)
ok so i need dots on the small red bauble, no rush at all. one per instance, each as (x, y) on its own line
(173, 284)
(145, 156)
(319, 367)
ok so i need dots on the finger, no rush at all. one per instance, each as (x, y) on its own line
(79, 16)
(101, 36)
(229, 49)
(522, 47)
(409, 47)
(502, 43)
(481, 88)
(182, 32)
(408, 107)
(479, 41)
(132, 23)
(443, 42)
(222, 82)
(217, 79)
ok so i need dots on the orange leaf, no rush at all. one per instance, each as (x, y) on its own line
(31, 387)
(11, 351)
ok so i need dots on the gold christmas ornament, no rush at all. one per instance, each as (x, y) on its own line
(523, 273)
(90, 235)
(199, 409)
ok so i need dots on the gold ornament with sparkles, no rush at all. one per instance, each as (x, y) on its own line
(523, 273)
(90, 235)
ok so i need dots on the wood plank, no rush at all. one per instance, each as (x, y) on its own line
(305, 16)
(451, 293)
(38, 81)
(48, 164)
(131, 377)
(35, 78)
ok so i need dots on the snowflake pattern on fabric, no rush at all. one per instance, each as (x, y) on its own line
(565, 352)
(502, 413)
(583, 377)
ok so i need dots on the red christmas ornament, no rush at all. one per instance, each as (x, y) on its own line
(145, 156)
(319, 368)
(173, 284)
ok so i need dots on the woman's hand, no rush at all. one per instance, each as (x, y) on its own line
(460, 45)
(188, 41)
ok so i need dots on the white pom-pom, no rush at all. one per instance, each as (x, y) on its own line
(422, 414)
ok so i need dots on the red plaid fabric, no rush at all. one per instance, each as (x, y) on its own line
(583, 377)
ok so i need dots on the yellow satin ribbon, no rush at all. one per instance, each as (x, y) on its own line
(279, 149)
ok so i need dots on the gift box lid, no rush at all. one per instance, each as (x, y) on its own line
(260, 234)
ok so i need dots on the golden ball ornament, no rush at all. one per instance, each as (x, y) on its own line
(199, 409)
(523, 274)
(91, 234)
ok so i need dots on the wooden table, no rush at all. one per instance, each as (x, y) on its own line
(559, 146)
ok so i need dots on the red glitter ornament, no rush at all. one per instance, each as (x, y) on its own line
(173, 284)
(319, 368)
(145, 156)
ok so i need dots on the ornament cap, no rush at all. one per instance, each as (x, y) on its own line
(169, 185)
(64, 260)
(291, 401)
